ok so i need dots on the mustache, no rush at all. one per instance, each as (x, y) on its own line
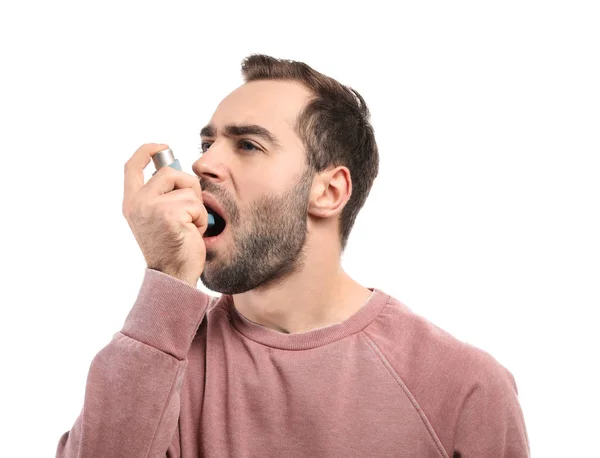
(222, 196)
(213, 189)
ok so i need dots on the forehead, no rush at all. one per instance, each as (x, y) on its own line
(271, 104)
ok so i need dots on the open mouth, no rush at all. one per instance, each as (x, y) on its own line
(216, 228)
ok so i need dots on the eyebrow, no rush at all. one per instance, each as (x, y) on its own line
(240, 130)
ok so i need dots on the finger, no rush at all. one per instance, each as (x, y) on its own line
(189, 203)
(169, 179)
(134, 168)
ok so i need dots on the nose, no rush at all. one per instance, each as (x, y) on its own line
(208, 168)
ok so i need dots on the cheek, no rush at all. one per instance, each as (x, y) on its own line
(263, 182)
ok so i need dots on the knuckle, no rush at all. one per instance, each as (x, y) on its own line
(190, 194)
(129, 211)
(126, 208)
(144, 210)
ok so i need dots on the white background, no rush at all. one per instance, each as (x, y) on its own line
(484, 217)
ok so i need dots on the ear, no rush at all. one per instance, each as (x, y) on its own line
(330, 192)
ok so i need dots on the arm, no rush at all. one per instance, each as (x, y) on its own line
(491, 422)
(132, 397)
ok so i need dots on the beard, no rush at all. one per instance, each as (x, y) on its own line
(268, 247)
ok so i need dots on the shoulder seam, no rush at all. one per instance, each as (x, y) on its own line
(408, 394)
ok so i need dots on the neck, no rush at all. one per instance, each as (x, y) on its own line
(318, 294)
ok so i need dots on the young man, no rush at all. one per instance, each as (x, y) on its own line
(295, 359)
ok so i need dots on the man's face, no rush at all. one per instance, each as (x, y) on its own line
(254, 166)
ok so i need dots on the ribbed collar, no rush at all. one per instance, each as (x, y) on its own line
(310, 339)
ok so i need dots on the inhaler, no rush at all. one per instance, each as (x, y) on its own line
(166, 158)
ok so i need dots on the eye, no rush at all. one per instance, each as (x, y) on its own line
(245, 145)
(204, 146)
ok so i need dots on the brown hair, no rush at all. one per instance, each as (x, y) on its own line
(334, 127)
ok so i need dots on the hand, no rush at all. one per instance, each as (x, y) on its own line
(166, 215)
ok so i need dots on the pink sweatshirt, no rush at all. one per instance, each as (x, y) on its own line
(188, 376)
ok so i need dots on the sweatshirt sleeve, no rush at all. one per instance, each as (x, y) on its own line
(132, 396)
(491, 422)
